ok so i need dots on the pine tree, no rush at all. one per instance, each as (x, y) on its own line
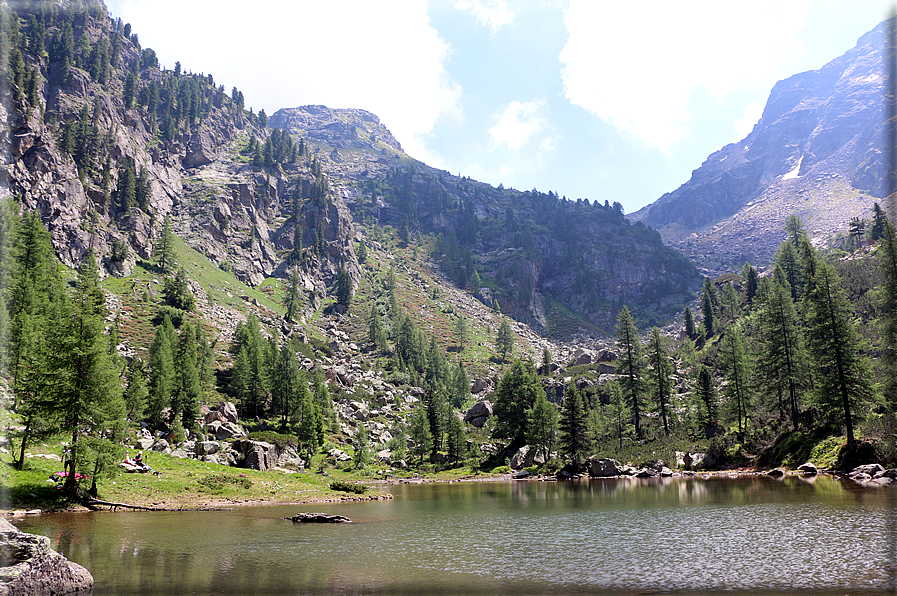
(285, 386)
(842, 373)
(362, 456)
(504, 340)
(187, 390)
(292, 297)
(573, 424)
(689, 320)
(782, 357)
(661, 375)
(419, 432)
(343, 286)
(161, 378)
(887, 259)
(459, 328)
(516, 393)
(630, 364)
(460, 386)
(708, 416)
(136, 393)
(542, 426)
(454, 435)
(736, 362)
(82, 393)
(708, 307)
(163, 251)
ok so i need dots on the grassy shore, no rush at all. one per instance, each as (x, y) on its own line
(191, 484)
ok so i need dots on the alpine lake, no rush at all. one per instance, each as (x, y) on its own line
(733, 535)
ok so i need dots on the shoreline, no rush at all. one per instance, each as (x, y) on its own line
(228, 504)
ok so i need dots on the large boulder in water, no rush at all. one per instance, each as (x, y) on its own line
(29, 566)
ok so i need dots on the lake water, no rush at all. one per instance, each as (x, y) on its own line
(745, 535)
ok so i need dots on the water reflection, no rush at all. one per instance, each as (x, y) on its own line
(627, 536)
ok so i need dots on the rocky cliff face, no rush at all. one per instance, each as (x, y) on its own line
(816, 152)
(540, 258)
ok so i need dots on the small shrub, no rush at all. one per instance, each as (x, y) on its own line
(175, 314)
(348, 487)
(825, 453)
(216, 483)
(501, 470)
(275, 438)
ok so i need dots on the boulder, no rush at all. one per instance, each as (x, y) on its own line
(144, 444)
(481, 409)
(256, 455)
(870, 469)
(318, 518)
(206, 447)
(160, 445)
(525, 457)
(603, 467)
(289, 458)
(229, 411)
(179, 453)
(339, 454)
(227, 430)
(213, 416)
(29, 566)
(581, 357)
(694, 461)
(808, 469)
(776, 473)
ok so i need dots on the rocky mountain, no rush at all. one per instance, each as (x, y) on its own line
(816, 152)
(560, 266)
(106, 145)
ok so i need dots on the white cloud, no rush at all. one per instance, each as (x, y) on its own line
(384, 57)
(491, 13)
(519, 122)
(745, 124)
(641, 67)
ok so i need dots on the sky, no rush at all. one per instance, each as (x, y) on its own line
(615, 101)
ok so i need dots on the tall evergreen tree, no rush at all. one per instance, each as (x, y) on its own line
(708, 415)
(187, 391)
(161, 378)
(163, 250)
(504, 340)
(574, 436)
(292, 294)
(887, 258)
(419, 432)
(630, 365)
(542, 426)
(782, 356)
(516, 393)
(285, 386)
(689, 321)
(843, 374)
(709, 302)
(661, 375)
(735, 358)
(136, 393)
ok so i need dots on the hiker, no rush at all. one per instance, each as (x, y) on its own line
(138, 461)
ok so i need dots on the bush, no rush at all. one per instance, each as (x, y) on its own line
(216, 482)
(501, 470)
(176, 315)
(348, 487)
(278, 439)
(862, 452)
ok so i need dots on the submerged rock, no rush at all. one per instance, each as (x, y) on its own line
(318, 518)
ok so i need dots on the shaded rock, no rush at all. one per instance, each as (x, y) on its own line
(318, 518)
(229, 411)
(522, 474)
(179, 453)
(808, 468)
(694, 461)
(206, 447)
(481, 409)
(160, 445)
(776, 473)
(29, 566)
(226, 430)
(255, 455)
(339, 454)
(869, 469)
(144, 444)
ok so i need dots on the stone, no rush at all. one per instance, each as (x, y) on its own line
(869, 469)
(384, 455)
(256, 455)
(603, 467)
(339, 454)
(776, 473)
(229, 411)
(694, 461)
(228, 430)
(206, 447)
(144, 444)
(808, 469)
(160, 445)
(179, 453)
(318, 518)
(214, 416)
(29, 566)
(481, 409)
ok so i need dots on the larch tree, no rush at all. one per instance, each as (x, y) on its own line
(542, 426)
(573, 425)
(630, 364)
(736, 362)
(661, 375)
(504, 340)
(516, 393)
(163, 250)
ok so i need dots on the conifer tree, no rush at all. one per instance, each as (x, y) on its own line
(735, 358)
(136, 393)
(630, 364)
(689, 320)
(504, 340)
(460, 386)
(661, 375)
(619, 411)
(163, 251)
(187, 391)
(419, 432)
(542, 426)
(841, 371)
(708, 307)
(574, 439)
(343, 286)
(459, 328)
(782, 356)
(887, 258)
(516, 393)
(708, 416)
(161, 378)
(285, 386)
(291, 299)
(362, 456)
(454, 437)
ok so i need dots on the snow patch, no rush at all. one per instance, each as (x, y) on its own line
(794, 173)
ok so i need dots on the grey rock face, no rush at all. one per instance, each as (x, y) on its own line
(29, 566)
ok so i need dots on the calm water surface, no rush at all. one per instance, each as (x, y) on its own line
(745, 535)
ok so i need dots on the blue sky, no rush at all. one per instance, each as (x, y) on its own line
(591, 99)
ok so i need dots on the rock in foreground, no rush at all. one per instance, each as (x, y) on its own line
(29, 566)
(319, 518)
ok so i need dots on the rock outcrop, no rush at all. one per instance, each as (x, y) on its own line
(30, 567)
